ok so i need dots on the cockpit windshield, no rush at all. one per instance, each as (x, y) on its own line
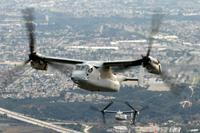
(83, 67)
(88, 69)
(80, 67)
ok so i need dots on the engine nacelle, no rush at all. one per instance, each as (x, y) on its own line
(153, 66)
(39, 65)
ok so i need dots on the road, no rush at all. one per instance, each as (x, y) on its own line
(34, 121)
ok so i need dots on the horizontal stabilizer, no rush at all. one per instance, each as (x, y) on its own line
(131, 79)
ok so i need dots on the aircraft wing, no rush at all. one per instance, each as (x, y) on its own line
(116, 65)
(109, 111)
(123, 64)
(49, 59)
(124, 112)
(41, 62)
(128, 112)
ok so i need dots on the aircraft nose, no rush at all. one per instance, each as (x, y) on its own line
(74, 78)
(77, 76)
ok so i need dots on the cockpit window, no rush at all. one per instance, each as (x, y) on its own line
(80, 67)
(84, 67)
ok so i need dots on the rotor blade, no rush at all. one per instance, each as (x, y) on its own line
(102, 112)
(107, 106)
(104, 118)
(155, 25)
(134, 117)
(136, 113)
(127, 103)
(30, 27)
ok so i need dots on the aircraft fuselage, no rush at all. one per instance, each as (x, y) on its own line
(95, 79)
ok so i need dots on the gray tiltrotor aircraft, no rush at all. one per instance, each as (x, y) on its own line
(92, 75)
(120, 115)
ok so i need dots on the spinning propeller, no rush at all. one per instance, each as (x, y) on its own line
(153, 65)
(103, 111)
(30, 27)
(10, 74)
(150, 63)
(135, 112)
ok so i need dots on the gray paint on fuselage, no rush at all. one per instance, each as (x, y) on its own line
(105, 85)
(99, 79)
